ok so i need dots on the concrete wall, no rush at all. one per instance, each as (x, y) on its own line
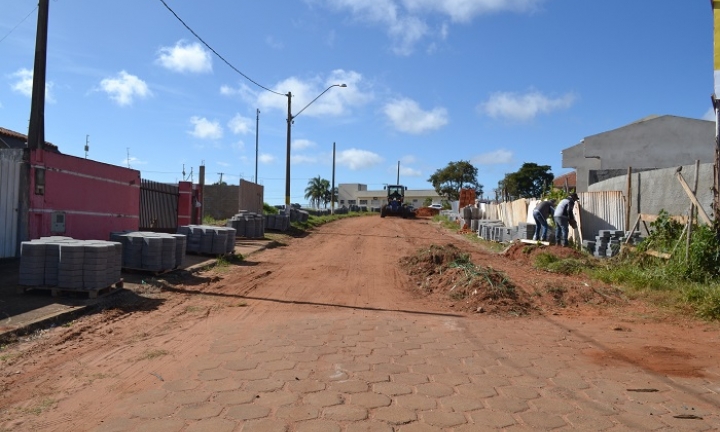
(96, 198)
(658, 142)
(657, 190)
(220, 201)
(251, 197)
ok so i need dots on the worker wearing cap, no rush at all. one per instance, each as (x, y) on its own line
(564, 217)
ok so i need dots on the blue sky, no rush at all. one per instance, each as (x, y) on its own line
(495, 82)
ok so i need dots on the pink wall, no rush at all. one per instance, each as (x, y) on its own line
(97, 198)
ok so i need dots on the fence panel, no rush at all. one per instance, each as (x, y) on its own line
(158, 206)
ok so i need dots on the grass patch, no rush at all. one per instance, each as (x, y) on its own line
(567, 266)
(239, 304)
(209, 220)
(316, 221)
(153, 354)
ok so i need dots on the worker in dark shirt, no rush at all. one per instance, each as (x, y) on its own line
(540, 214)
(563, 217)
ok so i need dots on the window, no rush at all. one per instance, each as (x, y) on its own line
(363, 202)
(352, 202)
(342, 201)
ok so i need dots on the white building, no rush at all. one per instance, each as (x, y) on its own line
(358, 194)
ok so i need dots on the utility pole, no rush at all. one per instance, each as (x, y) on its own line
(221, 175)
(332, 188)
(398, 174)
(87, 145)
(36, 131)
(716, 107)
(257, 133)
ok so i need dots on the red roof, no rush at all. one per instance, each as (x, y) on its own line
(23, 138)
(571, 177)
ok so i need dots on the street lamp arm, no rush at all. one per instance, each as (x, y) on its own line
(318, 97)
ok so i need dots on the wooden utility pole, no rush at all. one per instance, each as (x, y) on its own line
(36, 130)
(628, 202)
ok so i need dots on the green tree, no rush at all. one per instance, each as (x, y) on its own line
(318, 191)
(455, 176)
(530, 181)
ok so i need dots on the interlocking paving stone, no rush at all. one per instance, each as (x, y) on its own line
(461, 404)
(370, 400)
(349, 386)
(419, 427)
(317, 426)
(153, 410)
(324, 399)
(545, 421)
(213, 424)
(161, 425)
(241, 364)
(213, 374)
(236, 397)
(265, 425)
(297, 413)
(443, 419)
(416, 402)
(395, 415)
(227, 384)
(434, 389)
(276, 399)
(181, 385)
(495, 419)
(306, 386)
(188, 397)
(370, 426)
(200, 411)
(345, 413)
(247, 412)
(392, 389)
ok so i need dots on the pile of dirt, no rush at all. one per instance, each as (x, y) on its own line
(528, 252)
(446, 274)
(426, 212)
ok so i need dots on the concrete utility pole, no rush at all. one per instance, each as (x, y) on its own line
(398, 174)
(332, 187)
(201, 186)
(257, 132)
(36, 131)
(716, 107)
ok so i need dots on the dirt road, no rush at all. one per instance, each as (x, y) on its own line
(354, 328)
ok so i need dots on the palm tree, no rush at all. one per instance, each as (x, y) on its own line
(317, 191)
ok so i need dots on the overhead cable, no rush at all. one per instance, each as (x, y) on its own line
(217, 54)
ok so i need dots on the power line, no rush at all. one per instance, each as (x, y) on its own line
(18, 24)
(216, 53)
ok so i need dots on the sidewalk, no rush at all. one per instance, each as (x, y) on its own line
(22, 313)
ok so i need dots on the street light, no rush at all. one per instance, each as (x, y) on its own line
(290, 119)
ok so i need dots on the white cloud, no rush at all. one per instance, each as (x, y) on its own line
(24, 84)
(407, 171)
(356, 159)
(274, 43)
(205, 129)
(223, 164)
(336, 101)
(408, 159)
(124, 88)
(303, 159)
(238, 145)
(241, 125)
(406, 21)
(709, 114)
(407, 116)
(523, 107)
(132, 161)
(302, 144)
(496, 157)
(185, 57)
(266, 158)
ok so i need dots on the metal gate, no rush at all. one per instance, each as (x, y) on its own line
(158, 206)
(9, 202)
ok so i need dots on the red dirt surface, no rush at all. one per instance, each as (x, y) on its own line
(361, 264)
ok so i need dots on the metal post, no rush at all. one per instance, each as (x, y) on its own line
(332, 188)
(287, 159)
(201, 185)
(398, 174)
(628, 202)
(257, 131)
(36, 131)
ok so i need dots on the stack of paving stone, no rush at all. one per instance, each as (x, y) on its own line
(209, 240)
(62, 262)
(607, 243)
(252, 225)
(486, 228)
(277, 222)
(151, 251)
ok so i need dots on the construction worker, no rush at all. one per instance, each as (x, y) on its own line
(540, 214)
(563, 217)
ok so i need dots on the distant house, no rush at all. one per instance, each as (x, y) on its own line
(568, 180)
(14, 140)
(650, 143)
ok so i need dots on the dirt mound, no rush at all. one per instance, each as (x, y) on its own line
(445, 273)
(426, 212)
(528, 252)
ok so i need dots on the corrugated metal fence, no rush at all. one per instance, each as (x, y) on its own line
(9, 202)
(158, 206)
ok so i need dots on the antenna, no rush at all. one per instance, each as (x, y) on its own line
(87, 145)
(128, 157)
